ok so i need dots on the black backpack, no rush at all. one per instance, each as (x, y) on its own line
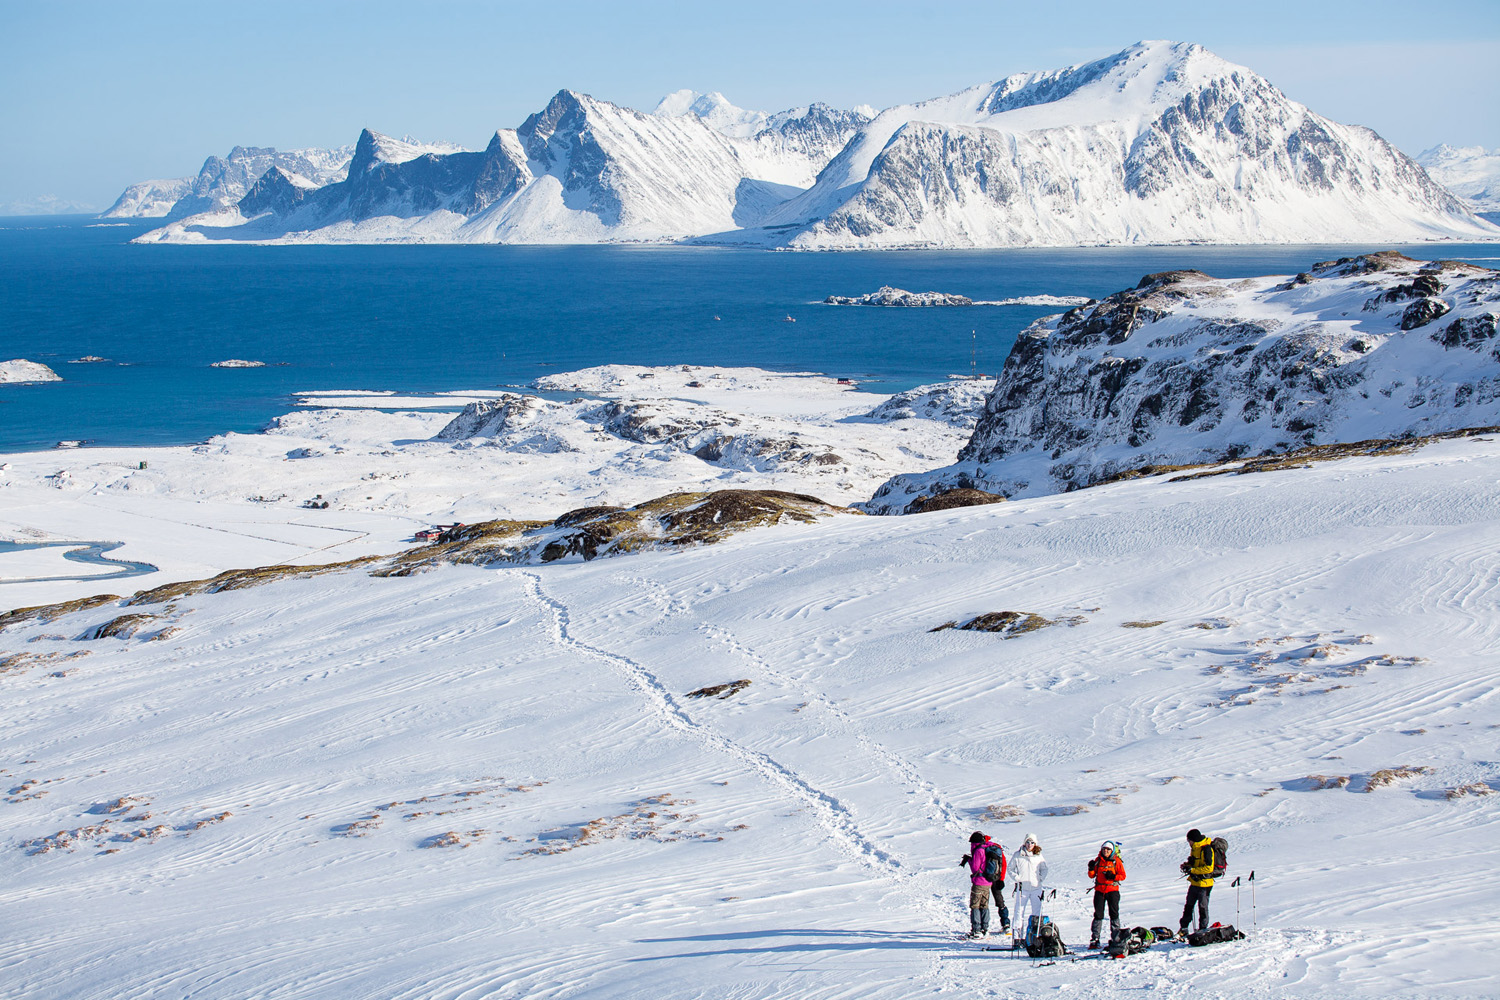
(993, 853)
(1220, 859)
(1214, 935)
(1047, 943)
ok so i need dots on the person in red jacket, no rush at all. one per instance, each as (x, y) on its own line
(997, 887)
(1108, 871)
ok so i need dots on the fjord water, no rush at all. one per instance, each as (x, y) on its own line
(418, 318)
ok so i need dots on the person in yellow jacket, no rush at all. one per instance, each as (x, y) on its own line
(1199, 868)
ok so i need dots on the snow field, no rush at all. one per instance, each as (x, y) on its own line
(236, 501)
(830, 800)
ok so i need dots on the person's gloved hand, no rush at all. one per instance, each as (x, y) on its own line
(1184, 866)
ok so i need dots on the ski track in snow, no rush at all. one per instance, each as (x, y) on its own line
(833, 816)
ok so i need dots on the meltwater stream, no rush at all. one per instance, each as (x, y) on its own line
(91, 553)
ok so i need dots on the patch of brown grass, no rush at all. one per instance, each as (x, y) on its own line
(239, 579)
(51, 612)
(1002, 814)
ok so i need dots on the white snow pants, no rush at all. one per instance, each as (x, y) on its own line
(1028, 905)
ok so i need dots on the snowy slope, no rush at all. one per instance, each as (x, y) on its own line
(1471, 172)
(148, 199)
(492, 781)
(21, 370)
(1189, 369)
(1161, 143)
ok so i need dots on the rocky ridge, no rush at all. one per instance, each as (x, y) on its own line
(1185, 369)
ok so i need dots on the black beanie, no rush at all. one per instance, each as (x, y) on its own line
(1195, 835)
(976, 837)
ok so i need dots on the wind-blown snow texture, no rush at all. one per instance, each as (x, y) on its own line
(1187, 369)
(481, 782)
(1161, 143)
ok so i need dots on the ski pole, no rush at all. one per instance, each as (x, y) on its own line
(1253, 925)
(1235, 885)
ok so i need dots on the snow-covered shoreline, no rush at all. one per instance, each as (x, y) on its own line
(386, 468)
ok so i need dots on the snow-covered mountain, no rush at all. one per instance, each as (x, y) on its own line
(1471, 172)
(149, 199)
(580, 170)
(224, 180)
(1185, 368)
(1161, 143)
(715, 111)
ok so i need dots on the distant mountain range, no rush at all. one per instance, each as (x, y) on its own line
(1161, 143)
(1471, 172)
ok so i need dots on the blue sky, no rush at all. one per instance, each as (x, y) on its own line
(94, 96)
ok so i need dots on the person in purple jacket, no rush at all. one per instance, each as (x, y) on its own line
(979, 887)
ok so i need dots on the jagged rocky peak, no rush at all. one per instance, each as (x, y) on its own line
(1185, 368)
(1164, 142)
(274, 192)
(565, 113)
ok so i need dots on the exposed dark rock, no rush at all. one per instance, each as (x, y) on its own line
(950, 499)
(1422, 312)
(1473, 332)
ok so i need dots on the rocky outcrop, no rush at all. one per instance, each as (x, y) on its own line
(1186, 369)
(670, 522)
(951, 499)
(888, 296)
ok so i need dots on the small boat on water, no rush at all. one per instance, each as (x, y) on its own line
(789, 319)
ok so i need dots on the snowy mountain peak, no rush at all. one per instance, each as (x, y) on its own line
(715, 110)
(1163, 142)
(374, 147)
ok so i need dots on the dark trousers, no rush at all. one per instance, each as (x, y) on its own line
(1101, 900)
(1197, 896)
(999, 891)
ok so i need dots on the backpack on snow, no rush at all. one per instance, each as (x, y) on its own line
(993, 855)
(1130, 942)
(1043, 939)
(1220, 859)
(1214, 934)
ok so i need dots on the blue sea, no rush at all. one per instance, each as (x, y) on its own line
(433, 318)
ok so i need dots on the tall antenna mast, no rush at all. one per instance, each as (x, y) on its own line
(973, 354)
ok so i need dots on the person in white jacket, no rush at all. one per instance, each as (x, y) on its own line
(1028, 874)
